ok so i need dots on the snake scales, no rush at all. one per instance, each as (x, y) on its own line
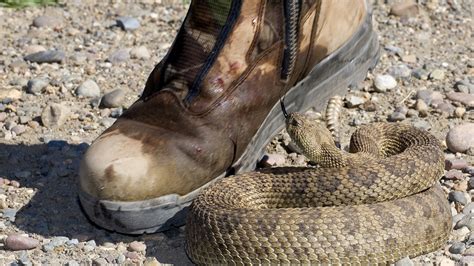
(377, 204)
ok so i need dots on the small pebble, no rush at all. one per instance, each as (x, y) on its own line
(401, 109)
(453, 163)
(396, 117)
(48, 247)
(459, 112)
(72, 242)
(116, 112)
(421, 107)
(20, 242)
(400, 71)
(132, 255)
(50, 56)
(445, 108)
(95, 102)
(429, 96)
(470, 170)
(470, 183)
(393, 49)
(119, 56)
(24, 119)
(19, 129)
(457, 196)
(384, 83)
(121, 259)
(469, 240)
(461, 233)
(460, 138)
(437, 74)
(273, 159)
(354, 101)
(47, 21)
(88, 89)
(99, 262)
(37, 85)
(420, 74)
(454, 175)
(10, 124)
(140, 52)
(91, 243)
(128, 23)
(457, 248)
(137, 246)
(405, 9)
(79, 59)
(10, 214)
(113, 99)
(59, 241)
(464, 86)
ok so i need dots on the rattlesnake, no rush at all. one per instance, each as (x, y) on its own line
(377, 204)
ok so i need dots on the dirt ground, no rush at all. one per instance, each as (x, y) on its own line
(45, 127)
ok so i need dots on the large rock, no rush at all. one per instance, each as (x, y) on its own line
(88, 89)
(466, 99)
(50, 56)
(54, 115)
(461, 138)
(19, 242)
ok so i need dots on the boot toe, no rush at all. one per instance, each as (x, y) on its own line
(127, 189)
(113, 168)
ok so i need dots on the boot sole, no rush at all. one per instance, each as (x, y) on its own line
(325, 80)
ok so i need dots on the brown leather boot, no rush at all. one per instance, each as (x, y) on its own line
(210, 107)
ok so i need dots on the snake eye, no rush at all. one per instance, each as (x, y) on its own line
(294, 122)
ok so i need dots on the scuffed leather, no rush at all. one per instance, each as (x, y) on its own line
(182, 146)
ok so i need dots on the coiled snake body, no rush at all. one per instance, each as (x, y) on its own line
(377, 204)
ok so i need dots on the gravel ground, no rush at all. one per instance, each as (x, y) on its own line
(67, 72)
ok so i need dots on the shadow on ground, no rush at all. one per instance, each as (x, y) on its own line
(51, 169)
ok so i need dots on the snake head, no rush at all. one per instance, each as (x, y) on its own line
(310, 136)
